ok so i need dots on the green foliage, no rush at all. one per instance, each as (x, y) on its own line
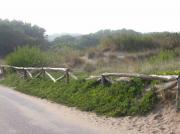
(17, 33)
(121, 40)
(27, 57)
(129, 41)
(120, 99)
(80, 42)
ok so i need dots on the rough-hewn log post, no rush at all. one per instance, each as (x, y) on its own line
(25, 74)
(43, 73)
(3, 71)
(178, 95)
(67, 76)
(103, 80)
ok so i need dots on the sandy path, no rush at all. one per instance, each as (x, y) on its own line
(161, 121)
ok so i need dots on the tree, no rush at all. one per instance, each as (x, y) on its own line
(17, 33)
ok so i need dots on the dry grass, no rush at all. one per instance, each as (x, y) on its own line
(65, 57)
(1, 61)
(96, 62)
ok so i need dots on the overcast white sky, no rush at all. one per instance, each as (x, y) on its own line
(85, 16)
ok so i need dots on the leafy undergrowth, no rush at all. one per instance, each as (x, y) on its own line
(120, 99)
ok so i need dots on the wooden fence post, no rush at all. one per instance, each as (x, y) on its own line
(67, 75)
(178, 95)
(25, 73)
(3, 71)
(43, 73)
(103, 80)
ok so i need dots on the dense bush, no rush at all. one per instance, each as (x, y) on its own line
(120, 99)
(27, 56)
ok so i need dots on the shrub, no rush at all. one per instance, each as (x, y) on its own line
(27, 56)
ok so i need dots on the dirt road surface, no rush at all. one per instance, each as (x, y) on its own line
(23, 114)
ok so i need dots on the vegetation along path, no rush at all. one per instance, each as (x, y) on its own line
(22, 114)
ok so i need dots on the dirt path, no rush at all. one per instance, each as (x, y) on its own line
(20, 113)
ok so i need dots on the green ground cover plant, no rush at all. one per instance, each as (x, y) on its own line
(119, 99)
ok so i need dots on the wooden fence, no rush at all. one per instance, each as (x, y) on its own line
(169, 81)
(34, 72)
(105, 77)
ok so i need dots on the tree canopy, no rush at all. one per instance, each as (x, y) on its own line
(121, 40)
(17, 33)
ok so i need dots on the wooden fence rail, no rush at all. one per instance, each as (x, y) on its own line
(41, 71)
(171, 82)
(142, 76)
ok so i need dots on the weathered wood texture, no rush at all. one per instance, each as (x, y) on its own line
(2, 71)
(142, 76)
(42, 71)
(163, 86)
(34, 68)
